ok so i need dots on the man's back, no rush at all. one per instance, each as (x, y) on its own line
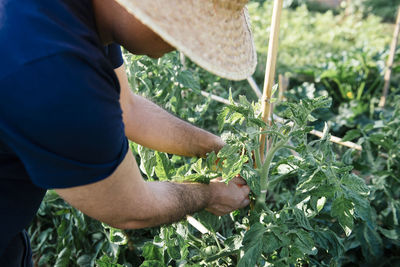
(50, 55)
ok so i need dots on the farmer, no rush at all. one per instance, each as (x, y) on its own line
(66, 115)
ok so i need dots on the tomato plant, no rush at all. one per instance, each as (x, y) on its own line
(313, 203)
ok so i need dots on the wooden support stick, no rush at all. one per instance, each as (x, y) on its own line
(183, 60)
(254, 86)
(198, 225)
(283, 85)
(270, 68)
(215, 98)
(389, 67)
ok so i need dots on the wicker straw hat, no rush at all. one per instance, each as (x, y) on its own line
(213, 33)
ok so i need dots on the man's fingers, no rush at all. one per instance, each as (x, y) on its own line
(245, 203)
(239, 180)
(245, 189)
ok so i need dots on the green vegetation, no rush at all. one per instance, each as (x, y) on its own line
(313, 202)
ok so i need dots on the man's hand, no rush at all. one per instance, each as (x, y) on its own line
(225, 198)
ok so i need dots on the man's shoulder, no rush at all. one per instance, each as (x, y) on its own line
(33, 29)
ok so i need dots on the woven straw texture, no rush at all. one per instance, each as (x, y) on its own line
(215, 34)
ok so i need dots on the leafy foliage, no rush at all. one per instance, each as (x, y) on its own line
(324, 206)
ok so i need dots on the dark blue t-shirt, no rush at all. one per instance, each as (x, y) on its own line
(60, 118)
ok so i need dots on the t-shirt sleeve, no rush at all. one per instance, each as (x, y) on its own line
(61, 116)
(114, 55)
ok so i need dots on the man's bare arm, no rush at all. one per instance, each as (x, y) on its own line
(124, 200)
(151, 126)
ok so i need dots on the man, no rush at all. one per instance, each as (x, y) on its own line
(65, 115)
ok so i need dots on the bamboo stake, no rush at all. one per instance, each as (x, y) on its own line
(283, 85)
(270, 68)
(183, 60)
(254, 86)
(388, 73)
(216, 98)
(198, 225)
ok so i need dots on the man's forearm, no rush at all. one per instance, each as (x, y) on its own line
(153, 127)
(125, 200)
(171, 202)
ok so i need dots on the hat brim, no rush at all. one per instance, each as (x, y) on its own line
(217, 39)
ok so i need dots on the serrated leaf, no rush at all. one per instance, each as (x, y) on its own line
(371, 242)
(148, 161)
(321, 102)
(152, 263)
(301, 219)
(118, 237)
(304, 242)
(209, 220)
(106, 261)
(163, 169)
(227, 151)
(381, 140)
(253, 235)
(63, 257)
(391, 234)
(86, 260)
(270, 243)
(362, 208)
(321, 203)
(174, 252)
(232, 166)
(343, 210)
(329, 241)
(257, 122)
(355, 183)
(351, 135)
(251, 255)
(187, 79)
(221, 118)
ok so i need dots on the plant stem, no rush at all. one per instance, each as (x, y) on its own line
(264, 171)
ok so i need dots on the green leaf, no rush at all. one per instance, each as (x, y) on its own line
(232, 166)
(221, 118)
(63, 258)
(321, 102)
(330, 242)
(271, 243)
(362, 206)
(371, 242)
(148, 161)
(62, 229)
(381, 140)
(351, 135)
(118, 237)
(152, 252)
(174, 252)
(209, 220)
(86, 260)
(355, 183)
(106, 261)
(321, 203)
(253, 235)
(251, 255)
(187, 79)
(301, 219)
(163, 169)
(152, 263)
(343, 209)
(304, 242)
(391, 234)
